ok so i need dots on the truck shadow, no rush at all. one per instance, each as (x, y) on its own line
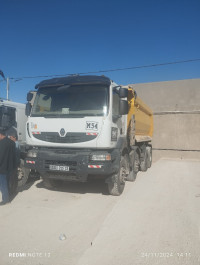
(30, 182)
(92, 186)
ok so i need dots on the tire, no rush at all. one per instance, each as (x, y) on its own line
(117, 182)
(132, 176)
(149, 156)
(143, 164)
(23, 174)
(135, 167)
(136, 161)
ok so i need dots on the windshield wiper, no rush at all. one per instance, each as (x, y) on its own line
(65, 115)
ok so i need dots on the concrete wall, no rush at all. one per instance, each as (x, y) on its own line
(176, 107)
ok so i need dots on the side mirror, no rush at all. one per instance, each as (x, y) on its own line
(123, 107)
(123, 92)
(29, 96)
(28, 109)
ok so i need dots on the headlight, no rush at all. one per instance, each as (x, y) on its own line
(100, 157)
(32, 153)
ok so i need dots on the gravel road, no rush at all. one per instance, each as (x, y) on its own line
(155, 221)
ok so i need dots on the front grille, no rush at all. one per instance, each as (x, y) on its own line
(65, 176)
(54, 137)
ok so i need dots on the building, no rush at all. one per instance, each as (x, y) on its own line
(176, 107)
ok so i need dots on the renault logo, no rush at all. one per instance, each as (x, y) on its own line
(62, 132)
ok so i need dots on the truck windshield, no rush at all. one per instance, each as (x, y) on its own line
(71, 101)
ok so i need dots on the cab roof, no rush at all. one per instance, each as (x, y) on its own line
(74, 80)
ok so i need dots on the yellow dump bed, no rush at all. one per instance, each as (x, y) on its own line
(140, 116)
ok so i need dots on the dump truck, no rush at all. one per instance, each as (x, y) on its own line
(83, 127)
(12, 116)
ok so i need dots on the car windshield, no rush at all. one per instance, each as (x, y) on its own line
(71, 101)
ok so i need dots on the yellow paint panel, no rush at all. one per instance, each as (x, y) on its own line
(143, 115)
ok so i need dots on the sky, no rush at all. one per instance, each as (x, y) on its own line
(61, 37)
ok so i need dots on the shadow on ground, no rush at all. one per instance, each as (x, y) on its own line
(30, 182)
(92, 186)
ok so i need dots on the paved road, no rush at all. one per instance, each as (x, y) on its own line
(155, 221)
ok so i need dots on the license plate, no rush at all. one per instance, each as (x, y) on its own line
(59, 168)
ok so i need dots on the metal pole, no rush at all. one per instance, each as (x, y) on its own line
(8, 86)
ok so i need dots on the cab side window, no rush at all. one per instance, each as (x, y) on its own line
(7, 117)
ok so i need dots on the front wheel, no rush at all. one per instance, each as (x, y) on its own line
(22, 173)
(117, 183)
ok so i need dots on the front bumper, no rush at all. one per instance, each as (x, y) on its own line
(72, 165)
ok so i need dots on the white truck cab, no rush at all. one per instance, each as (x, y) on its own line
(76, 128)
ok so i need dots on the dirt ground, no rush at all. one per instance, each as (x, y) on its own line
(155, 221)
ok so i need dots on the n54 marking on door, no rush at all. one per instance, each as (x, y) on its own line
(92, 125)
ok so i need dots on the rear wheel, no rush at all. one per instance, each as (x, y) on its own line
(149, 156)
(135, 166)
(144, 162)
(117, 182)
